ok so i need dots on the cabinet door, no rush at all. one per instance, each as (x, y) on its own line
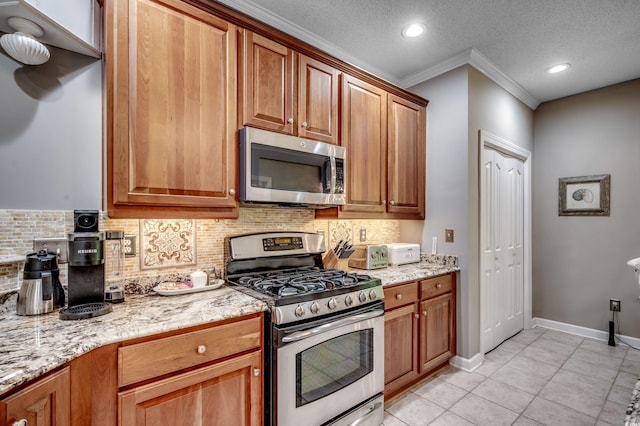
(400, 347)
(364, 135)
(267, 84)
(406, 162)
(437, 332)
(171, 85)
(46, 402)
(225, 393)
(317, 100)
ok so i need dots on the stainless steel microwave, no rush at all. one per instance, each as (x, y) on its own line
(287, 170)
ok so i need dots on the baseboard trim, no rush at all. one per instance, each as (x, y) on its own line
(584, 331)
(467, 364)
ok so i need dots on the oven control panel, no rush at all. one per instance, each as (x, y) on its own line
(282, 243)
(326, 305)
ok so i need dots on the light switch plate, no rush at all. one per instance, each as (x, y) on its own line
(448, 235)
(53, 245)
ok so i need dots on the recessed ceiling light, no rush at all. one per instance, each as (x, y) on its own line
(558, 68)
(413, 30)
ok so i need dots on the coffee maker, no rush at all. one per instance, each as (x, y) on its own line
(86, 259)
(85, 291)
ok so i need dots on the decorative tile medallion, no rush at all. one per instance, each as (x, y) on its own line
(167, 243)
(340, 230)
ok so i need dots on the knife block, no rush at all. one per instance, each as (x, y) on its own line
(331, 261)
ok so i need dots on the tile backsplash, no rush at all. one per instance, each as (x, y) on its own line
(18, 228)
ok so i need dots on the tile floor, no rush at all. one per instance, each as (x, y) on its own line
(538, 377)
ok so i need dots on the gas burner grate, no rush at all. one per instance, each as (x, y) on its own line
(301, 281)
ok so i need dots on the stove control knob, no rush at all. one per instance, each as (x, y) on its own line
(315, 308)
(372, 294)
(348, 300)
(362, 297)
(299, 311)
(332, 303)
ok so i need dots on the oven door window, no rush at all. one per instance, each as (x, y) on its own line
(332, 365)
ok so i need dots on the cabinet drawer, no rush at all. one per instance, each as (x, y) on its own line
(146, 360)
(435, 286)
(400, 295)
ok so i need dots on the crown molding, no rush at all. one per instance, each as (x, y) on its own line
(261, 14)
(481, 63)
(470, 57)
(488, 68)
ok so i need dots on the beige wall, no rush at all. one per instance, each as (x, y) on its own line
(493, 109)
(580, 262)
(447, 186)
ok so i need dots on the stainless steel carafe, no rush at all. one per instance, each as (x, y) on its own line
(35, 296)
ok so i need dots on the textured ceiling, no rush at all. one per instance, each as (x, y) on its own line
(517, 38)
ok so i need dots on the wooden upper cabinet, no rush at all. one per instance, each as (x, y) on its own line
(267, 84)
(287, 92)
(364, 135)
(317, 100)
(171, 96)
(46, 402)
(406, 157)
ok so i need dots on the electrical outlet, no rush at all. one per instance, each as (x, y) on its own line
(448, 235)
(129, 245)
(614, 305)
(52, 245)
(363, 234)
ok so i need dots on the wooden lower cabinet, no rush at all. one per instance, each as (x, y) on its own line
(437, 342)
(45, 402)
(419, 331)
(225, 393)
(400, 342)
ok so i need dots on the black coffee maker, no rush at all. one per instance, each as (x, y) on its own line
(85, 290)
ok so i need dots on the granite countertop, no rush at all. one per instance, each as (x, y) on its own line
(410, 272)
(33, 345)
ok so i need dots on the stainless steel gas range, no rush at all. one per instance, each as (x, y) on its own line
(324, 350)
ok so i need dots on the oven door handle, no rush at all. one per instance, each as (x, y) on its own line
(300, 335)
(372, 409)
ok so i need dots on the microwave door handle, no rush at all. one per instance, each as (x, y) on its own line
(300, 335)
(332, 161)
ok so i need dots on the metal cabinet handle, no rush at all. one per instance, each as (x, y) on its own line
(290, 121)
(21, 422)
(399, 296)
(424, 313)
(438, 285)
(416, 316)
(393, 203)
(304, 124)
(256, 372)
(232, 191)
(202, 349)
(384, 201)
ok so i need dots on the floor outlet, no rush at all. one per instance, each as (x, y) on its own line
(363, 234)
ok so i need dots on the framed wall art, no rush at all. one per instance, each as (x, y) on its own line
(584, 195)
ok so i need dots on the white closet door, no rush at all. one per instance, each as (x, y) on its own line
(502, 231)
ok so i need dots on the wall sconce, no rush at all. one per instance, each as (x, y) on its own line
(22, 45)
